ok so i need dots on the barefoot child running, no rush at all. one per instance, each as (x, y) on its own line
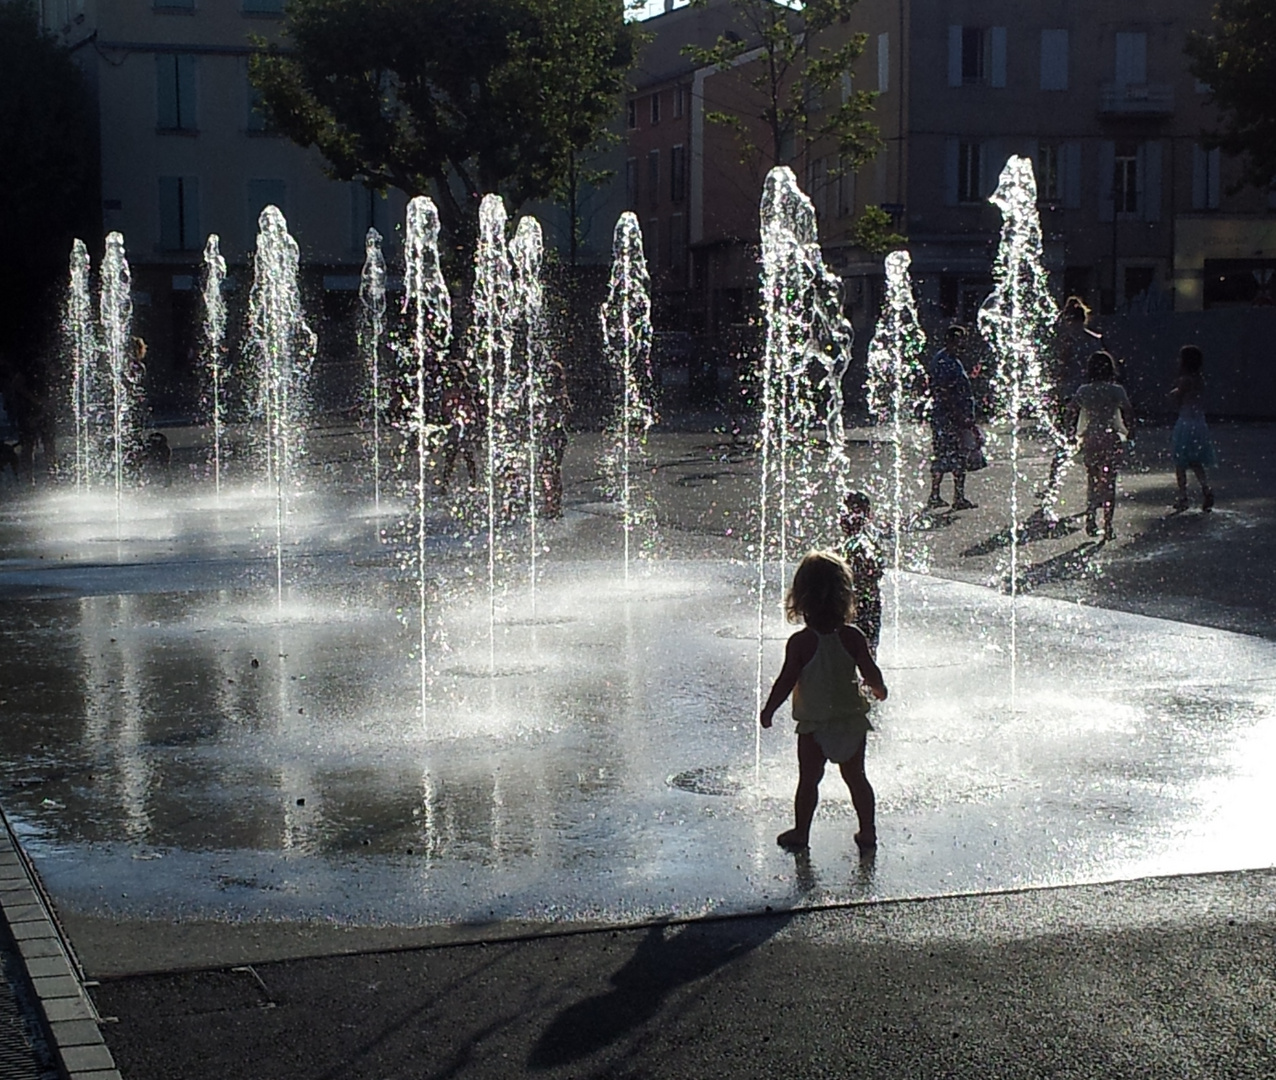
(822, 668)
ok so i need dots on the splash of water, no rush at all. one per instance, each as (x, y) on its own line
(371, 331)
(492, 330)
(897, 394)
(80, 336)
(115, 315)
(1016, 320)
(427, 305)
(802, 441)
(283, 348)
(627, 334)
(214, 353)
(526, 254)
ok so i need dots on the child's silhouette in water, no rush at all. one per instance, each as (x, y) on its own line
(823, 664)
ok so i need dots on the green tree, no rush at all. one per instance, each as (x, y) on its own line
(801, 90)
(48, 183)
(1237, 59)
(452, 98)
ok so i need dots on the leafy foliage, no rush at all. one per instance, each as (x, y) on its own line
(454, 98)
(799, 67)
(1237, 59)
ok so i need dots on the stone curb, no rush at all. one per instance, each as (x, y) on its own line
(69, 1018)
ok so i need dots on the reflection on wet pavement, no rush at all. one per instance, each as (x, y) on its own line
(179, 743)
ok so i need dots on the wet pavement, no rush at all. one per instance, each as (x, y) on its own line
(186, 745)
(209, 775)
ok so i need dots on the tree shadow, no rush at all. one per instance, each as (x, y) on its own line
(1033, 529)
(668, 957)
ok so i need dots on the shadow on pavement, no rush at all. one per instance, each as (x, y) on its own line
(668, 957)
(1033, 529)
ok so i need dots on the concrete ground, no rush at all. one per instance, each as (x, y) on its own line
(1168, 977)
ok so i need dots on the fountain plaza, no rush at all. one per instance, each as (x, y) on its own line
(185, 748)
(305, 691)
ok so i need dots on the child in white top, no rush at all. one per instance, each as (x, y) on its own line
(1101, 413)
(823, 664)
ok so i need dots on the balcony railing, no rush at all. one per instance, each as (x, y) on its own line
(1136, 99)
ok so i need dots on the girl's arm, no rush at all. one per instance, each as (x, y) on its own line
(795, 659)
(857, 645)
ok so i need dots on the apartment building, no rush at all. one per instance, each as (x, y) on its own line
(1137, 214)
(1135, 211)
(186, 153)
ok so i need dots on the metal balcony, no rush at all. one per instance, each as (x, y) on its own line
(1136, 99)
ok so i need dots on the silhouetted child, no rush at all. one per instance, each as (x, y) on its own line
(461, 415)
(859, 549)
(822, 668)
(1193, 447)
(1100, 411)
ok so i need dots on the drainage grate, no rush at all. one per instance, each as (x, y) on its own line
(24, 1052)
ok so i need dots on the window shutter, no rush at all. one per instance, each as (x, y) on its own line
(1150, 180)
(1054, 59)
(954, 56)
(997, 77)
(190, 213)
(166, 90)
(186, 92)
(1107, 171)
(951, 150)
(1070, 168)
(169, 217)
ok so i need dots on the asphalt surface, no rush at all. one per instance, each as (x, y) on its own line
(1154, 978)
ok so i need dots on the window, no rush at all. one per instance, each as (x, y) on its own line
(179, 213)
(261, 194)
(1054, 59)
(679, 101)
(1205, 178)
(1131, 59)
(845, 192)
(263, 7)
(653, 177)
(883, 63)
(1125, 181)
(1049, 175)
(631, 183)
(1130, 179)
(976, 56)
(973, 64)
(650, 231)
(677, 174)
(631, 114)
(1058, 167)
(175, 91)
(969, 180)
(655, 108)
(256, 120)
(678, 246)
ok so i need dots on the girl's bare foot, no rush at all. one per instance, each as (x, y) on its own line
(866, 841)
(792, 840)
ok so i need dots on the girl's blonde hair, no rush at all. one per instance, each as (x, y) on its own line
(822, 592)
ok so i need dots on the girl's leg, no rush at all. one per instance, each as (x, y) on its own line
(862, 797)
(1107, 494)
(811, 761)
(1180, 477)
(1207, 492)
(1093, 482)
